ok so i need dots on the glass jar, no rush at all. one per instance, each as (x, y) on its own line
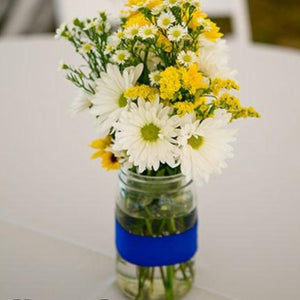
(156, 236)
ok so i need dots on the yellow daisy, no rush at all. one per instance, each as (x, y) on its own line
(110, 161)
(100, 145)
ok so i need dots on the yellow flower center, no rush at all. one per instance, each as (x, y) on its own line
(134, 31)
(196, 142)
(110, 48)
(156, 77)
(176, 33)
(122, 101)
(187, 58)
(120, 34)
(148, 31)
(166, 22)
(150, 132)
(87, 47)
(121, 56)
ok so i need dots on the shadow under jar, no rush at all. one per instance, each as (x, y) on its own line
(156, 236)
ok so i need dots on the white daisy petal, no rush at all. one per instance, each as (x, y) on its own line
(213, 60)
(187, 58)
(109, 101)
(166, 20)
(151, 142)
(177, 33)
(81, 103)
(121, 56)
(147, 31)
(204, 146)
(131, 31)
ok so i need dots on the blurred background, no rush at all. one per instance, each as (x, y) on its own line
(272, 21)
(56, 204)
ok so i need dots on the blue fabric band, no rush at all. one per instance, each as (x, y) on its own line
(156, 251)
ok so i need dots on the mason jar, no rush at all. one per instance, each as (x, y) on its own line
(156, 236)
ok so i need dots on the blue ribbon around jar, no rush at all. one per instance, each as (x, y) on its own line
(150, 251)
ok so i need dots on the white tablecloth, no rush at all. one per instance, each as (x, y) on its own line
(249, 216)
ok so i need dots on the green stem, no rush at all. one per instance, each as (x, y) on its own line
(162, 275)
(190, 266)
(169, 283)
(151, 277)
(142, 275)
(148, 222)
(182, 268)
(172, 226)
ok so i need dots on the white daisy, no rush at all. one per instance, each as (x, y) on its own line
(89, 24)
(213, 60)
(112, 43)
(109, 101)
(116, 37)
(165, 20)
(121, 56)
(85, 48)
(186, 58)
(147, 132)
(131, 31)
(147, 32)
(205, 146)
(109, 48)
(113, 40)
(158, 9)
(154, 78)
(176, 33)
(63, 28)
(102, 26)
(81, 102)
(171, 3)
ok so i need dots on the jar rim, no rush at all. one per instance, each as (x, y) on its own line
(157, 180)
(127, 172)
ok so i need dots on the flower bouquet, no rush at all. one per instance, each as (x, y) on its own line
(163, 97)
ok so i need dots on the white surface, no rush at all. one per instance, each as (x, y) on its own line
(249, 216)
(34, 266)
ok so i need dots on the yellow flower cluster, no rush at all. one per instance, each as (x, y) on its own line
(199, 101)
(219, 84)
(232, 105)
(137, 19)
(141, 91)
(172, 79)
(109, 160)
(192, 79)
(183, 108)
(212, 31)
(197, 16)
(147, 3)
(169, 82)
